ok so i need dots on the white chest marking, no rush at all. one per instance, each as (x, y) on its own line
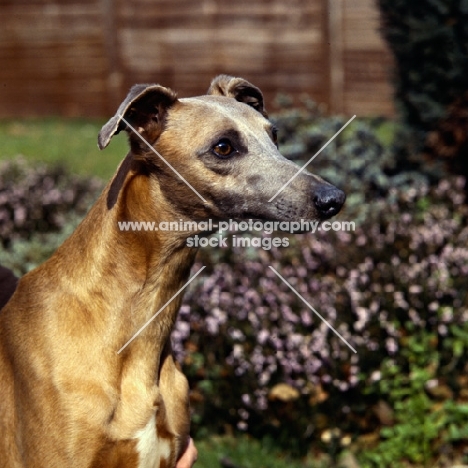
(150, 449)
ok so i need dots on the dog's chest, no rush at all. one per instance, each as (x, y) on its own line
(153, 452)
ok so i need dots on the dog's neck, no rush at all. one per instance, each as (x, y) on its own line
(152, 265)
(123, 279)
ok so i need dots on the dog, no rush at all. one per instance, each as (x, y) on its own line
(74, 392)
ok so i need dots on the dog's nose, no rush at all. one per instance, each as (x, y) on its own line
(328, 200)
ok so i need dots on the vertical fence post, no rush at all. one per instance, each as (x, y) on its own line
(115, 75)
(335, 39)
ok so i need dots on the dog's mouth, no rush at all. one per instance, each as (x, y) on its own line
(325, 205)
(321, 203)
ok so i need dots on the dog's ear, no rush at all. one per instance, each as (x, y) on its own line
(143, 109)
(239, 89)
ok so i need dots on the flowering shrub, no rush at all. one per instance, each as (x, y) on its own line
(242, 331)
(39, 199)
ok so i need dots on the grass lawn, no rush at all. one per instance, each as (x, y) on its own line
(71, 142)
(243, 452)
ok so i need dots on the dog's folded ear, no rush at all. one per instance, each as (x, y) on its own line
(239, 89)
(142, 111)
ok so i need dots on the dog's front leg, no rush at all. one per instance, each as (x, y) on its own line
(174, 423)
(138, 395)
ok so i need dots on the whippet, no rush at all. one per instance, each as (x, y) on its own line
(68, 397)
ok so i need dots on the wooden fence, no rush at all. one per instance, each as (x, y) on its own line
(79, 57)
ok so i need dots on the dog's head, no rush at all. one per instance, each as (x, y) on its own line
(216, 155)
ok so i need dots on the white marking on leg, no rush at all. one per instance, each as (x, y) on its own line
(151, 450)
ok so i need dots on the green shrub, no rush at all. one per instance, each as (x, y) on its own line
(25, 254)
(422, 426)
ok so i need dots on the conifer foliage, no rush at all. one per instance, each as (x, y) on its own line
(429, 40)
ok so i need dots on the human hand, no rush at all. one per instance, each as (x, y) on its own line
(189, 457)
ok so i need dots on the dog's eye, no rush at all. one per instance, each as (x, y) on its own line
(223, 149)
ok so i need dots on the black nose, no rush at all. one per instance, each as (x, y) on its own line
(328, 200)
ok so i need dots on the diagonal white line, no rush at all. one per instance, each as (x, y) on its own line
(159, 154)
(160, 310)
(312, 158)
(312, 309)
